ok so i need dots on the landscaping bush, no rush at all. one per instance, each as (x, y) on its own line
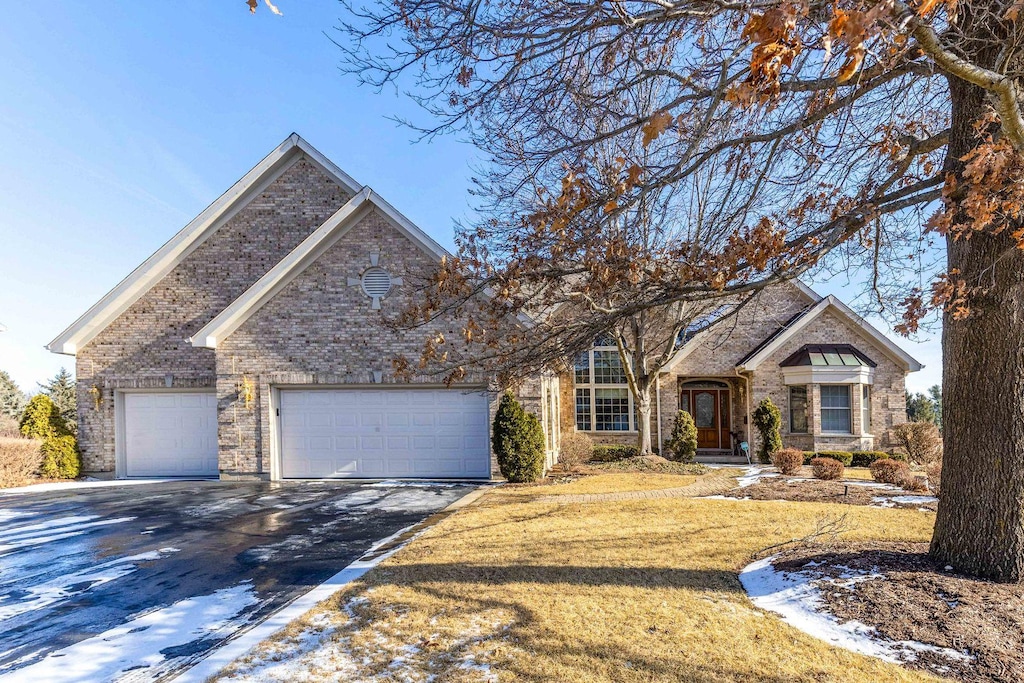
(865, 458)
(19, 461)
(41, 419)
(605, 453)
(889, 471)
(682, 442)
(845, 457)
(518, 442)
(768, 419)
(575, 449)
(908, 481)
(808, 456)
(60, 458)
(827, 468)
(788, 460)
(920, 440)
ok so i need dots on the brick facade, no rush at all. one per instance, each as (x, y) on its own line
(318, 330)
(715, 358)
(147, 345)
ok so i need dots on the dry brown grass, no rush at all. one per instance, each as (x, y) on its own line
(604, 483)
(626, 591)
(19, 461)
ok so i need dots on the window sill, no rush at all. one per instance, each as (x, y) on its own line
(608, 431)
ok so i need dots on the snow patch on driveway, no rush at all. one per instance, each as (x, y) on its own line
(136, 649)
(13, 538)
(86, 484)
(23, 600)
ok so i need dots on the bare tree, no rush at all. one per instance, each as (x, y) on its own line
(843, 124)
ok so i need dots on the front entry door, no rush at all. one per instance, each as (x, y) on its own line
(710, 411)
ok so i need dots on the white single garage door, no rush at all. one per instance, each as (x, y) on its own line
(170, 434)
(382, 433)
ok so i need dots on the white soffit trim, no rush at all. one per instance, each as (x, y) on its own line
(167, 257)
(268, 286)
(897, 354)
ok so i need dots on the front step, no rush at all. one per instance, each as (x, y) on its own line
(721, 459)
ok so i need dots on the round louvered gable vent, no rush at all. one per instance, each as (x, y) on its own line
(376, 282)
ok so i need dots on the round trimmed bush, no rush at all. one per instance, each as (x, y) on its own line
(60, 458)
(518, 442)
(827, 468)
(682, 442)
(788, 460)
(889, 471)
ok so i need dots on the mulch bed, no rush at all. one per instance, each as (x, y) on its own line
(921, 601)
(818, 491)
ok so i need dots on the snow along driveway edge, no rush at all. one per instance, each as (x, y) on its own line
(217, 659)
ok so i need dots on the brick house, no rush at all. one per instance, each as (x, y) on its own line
(838, 382)
(251, 345)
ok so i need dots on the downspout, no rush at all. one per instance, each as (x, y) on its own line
(657, 403)
(748, 420)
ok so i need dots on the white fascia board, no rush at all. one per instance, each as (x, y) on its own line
(806, 290)
(175, 250)
(828, 374)
(310, 249)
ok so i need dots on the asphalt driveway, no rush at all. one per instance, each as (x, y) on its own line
(132, 582)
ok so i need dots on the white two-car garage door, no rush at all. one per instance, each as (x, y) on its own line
(170, 434)
(381, 433)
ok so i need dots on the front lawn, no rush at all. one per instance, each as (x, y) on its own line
(516, 589)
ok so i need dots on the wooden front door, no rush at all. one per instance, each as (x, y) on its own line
(710, 411)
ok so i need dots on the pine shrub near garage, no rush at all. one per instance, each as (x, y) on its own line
(60, 458)
(42, 420)
(518, 442)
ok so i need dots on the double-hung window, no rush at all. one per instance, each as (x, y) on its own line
(836, 414)
(603, 401)
(798, 410)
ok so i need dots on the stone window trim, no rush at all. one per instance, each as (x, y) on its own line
(604, 403)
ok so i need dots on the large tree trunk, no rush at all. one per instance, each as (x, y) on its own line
(979, 528)
(644, 403)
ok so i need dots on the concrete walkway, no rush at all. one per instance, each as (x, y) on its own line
(709, 485)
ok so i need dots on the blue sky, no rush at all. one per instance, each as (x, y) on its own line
(121, 121)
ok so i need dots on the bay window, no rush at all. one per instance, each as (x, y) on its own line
(798, 410)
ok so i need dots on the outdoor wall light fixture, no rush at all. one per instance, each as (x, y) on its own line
(97, 396)
(247, 392)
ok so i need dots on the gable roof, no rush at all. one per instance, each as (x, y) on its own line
(304, 255)
(884, 344)
(696, 340)
(167, 257)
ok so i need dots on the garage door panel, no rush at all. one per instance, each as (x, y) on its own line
(170, 434)
(387, 433)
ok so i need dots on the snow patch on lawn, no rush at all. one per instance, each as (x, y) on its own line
(135, 649)
(752, 475)
(891, 501)
(12, 538)
(67, 586)
(795, 597)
